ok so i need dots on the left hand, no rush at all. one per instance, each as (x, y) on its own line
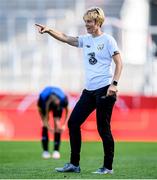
(112, 90)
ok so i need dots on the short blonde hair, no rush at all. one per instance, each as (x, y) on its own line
(96, 14)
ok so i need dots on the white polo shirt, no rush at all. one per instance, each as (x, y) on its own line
(98, 52)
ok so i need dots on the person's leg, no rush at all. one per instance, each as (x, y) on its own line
(83, 108)
(44, 133)
(57, 113)
(57, 141)
(57, 134)
(103, 113)
(45, 138)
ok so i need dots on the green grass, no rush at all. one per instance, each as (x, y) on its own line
(22, 160)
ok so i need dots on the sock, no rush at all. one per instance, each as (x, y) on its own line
(45, 138)
(57, 137)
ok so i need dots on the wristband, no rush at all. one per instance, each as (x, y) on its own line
(115, 83)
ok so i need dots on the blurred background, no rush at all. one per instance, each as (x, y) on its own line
(30, 61)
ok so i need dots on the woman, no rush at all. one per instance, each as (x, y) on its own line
(100, 90)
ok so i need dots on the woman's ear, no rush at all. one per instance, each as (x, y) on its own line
(97, 23)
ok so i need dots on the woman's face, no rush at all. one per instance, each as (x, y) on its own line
(91, 26)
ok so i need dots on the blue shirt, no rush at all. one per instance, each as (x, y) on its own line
(56, 91)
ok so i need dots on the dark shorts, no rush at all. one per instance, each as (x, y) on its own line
(57, 111)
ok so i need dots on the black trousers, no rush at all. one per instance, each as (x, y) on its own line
(89, 101)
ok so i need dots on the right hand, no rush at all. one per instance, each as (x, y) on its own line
(42, 29)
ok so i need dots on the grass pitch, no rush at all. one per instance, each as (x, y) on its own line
(22, 160)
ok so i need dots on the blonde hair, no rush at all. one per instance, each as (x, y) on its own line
(95, 13)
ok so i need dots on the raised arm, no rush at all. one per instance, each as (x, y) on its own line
(73, 41)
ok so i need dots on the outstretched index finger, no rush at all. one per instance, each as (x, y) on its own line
(39, 25)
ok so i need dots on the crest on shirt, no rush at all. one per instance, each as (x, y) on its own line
(100, 47)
